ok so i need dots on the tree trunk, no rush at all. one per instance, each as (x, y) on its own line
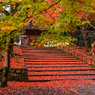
(7, 55)
(86, 46)
(6, 67)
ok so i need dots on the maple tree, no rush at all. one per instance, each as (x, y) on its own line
(64, 16)
(54, 16)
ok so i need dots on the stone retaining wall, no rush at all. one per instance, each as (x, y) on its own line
(16, 75)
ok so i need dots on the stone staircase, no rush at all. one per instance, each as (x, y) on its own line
(50, 63)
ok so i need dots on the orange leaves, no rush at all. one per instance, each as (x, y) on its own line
(93, 6)
(60, 45)
(55, 40)
(1, 22)
(5, 24)
(29, 13)
(43, 37)
(42, 41)
(38, 45)
(3, 28)
(31, 43)
(21, 24)
(9, 25)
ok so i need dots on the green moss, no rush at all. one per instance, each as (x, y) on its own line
(79, 58)
(4, 76)
(92, 65)
(5, 71)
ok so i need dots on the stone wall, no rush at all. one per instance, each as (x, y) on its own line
(16, 75)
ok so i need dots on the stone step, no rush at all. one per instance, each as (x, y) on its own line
(58, 68)
(51, 52)
(64, 65)
(46, 56)
(61, 72)
(41, 58)
(52, 78)
(52, 60)
(53, 63)
(42, 51)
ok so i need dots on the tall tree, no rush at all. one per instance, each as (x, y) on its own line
(86, 33)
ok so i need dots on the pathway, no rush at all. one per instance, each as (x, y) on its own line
(50, 63)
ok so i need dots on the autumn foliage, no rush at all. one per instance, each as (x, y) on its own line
(56, 17)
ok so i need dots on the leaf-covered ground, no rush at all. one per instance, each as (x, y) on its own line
(66, 87)
(14, 62)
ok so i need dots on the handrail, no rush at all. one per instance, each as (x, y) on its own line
(81, 54)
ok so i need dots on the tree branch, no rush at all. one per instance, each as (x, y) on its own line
(45, 9)
(88, 33)
(86, 27)
(89, 22)
(51, 6)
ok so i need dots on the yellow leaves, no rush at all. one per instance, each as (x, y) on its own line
(92, 11)
(44, 3)
(14, 0)
(87, 22)
(93, 4)
(84, 22)
(6, 28)
(27, 6)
